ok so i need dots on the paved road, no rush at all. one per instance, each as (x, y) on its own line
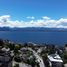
(21, 64)
(39, 59)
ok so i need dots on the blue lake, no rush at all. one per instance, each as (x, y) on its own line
(58, 38)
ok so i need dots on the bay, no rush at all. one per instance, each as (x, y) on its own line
(57, 38)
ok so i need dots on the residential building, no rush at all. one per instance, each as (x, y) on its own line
(5, 59)
(55, 60)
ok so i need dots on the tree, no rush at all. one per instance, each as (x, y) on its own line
(17, 59)
(16, 65)
(65, 45)
(64, 57)
(25, 44)
(1, 42)
(17, 47)
(32, 61)
(11, 46)
(16, 52)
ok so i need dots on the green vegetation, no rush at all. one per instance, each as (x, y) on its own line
(17, 59)
(32, 61)
(11, 46)
(16, 65)
(64, 57)
(45, 58)
(16, 48)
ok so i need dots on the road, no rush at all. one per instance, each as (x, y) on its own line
(21, 64)
(39, 59)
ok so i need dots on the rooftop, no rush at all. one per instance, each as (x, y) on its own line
(5, 49)
(54, 58)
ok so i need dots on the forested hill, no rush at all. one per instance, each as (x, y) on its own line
(34, 29)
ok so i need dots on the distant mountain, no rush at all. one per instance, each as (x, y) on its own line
(5, 29)
(33, 29)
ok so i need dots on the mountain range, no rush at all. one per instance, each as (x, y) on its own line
(33, 29)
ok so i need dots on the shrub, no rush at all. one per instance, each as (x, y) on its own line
(16, 65)
(17, 59)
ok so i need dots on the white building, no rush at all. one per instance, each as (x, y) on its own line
(55, 60)
(5, 49)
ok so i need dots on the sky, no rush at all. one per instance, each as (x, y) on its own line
(33, 13)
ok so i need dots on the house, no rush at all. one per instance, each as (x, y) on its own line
(5, 59)
(55, 60)
(5, 49)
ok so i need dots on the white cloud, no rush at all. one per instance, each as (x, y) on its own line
(30, 17)
(5, 21)
(45, 17)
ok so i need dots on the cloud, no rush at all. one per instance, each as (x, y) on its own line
(30, 17)
(45, 17)
(4, 18)
(5, 21)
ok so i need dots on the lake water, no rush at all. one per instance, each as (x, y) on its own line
(36, 37)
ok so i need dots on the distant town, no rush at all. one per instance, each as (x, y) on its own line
(32, 55)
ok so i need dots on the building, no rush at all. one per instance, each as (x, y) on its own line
(55, 60)
(5, 60)
(5, 49)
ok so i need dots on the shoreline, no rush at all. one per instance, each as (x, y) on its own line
(32, 43)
